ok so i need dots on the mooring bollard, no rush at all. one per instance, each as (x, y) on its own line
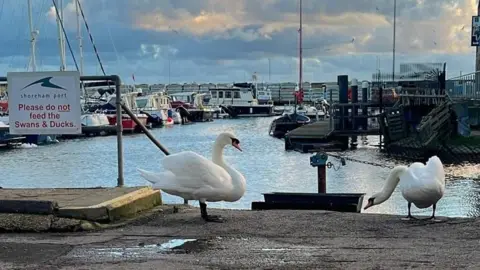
(319, 160)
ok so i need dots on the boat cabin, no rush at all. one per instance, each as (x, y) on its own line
(156, 101)
(185, 99)
(231, 96)
(264, 95)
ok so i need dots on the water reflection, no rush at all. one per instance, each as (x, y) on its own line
(267, 167)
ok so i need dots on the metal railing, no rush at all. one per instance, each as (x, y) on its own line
(464, 87)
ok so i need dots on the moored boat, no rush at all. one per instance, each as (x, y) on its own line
(287, 122)
(127, 123)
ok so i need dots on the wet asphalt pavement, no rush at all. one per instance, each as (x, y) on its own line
(254, 240)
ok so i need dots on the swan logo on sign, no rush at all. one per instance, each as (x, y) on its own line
(46, 83)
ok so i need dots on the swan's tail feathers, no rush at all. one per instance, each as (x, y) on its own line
(158, 179)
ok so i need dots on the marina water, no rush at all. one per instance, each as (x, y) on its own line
(92, 162)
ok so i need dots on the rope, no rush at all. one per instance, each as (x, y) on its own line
(91, 39)
(449, 176)
(65, 34)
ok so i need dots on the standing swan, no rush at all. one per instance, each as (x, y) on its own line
(193, 177)
(422, 185)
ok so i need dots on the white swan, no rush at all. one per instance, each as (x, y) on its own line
(193, 177)
(422, 185)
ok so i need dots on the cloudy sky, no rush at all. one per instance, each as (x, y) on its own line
(228, 40)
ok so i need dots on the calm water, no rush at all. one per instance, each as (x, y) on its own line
(267, 167)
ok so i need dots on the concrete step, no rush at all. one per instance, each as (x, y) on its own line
(92, 204)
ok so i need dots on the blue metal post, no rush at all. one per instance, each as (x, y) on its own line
(319, 160)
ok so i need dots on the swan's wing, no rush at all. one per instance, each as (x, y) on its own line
(435, 168)
(413, 177)
(421, 184)
(195, 171)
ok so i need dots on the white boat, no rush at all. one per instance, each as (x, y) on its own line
(177, 119)
(317, 112)
(129, 99)
(4, 121)
(94, 120)
(193, 102)
(157, 106)
(238, 101)
(264, 96)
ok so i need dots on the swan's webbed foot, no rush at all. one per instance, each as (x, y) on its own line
(213, 218)
(409, 216)
(433, 218)
(207, 217)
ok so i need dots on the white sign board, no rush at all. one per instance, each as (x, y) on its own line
(475, 39)
(44, 103)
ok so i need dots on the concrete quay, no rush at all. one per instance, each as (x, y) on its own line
(67, 209)
(175, 237)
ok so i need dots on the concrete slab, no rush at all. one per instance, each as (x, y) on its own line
(275, 239)
(93, 204)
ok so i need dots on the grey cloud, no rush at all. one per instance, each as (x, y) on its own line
(230, 55)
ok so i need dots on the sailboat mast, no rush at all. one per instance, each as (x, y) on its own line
(60, 36)
(33, 38)
(79, 35)
(300, 60)
(300, 52)
(63, 35)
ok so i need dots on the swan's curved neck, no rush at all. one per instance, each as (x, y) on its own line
(238, 180)
(217, 155)
(392, 182)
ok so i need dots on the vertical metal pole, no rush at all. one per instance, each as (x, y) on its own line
(364, 108)
(322, 178)
(60, 35)
(79, 35)
(118, 103)
(63, 35)
(169, 70)
(477, 62)
(33, 37)
(269, 71)
(331, 109)
(394, 37)
(380, 112)
(300, 53)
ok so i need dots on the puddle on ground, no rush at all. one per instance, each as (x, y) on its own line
(142, 250)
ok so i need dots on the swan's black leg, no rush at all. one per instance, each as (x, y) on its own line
(206, 217)
(434, 208)
(409, 216)
(433, 214)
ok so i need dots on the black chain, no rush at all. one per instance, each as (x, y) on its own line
(448, 176)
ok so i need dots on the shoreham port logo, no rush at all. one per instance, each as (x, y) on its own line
(45, 82)
(42, 92)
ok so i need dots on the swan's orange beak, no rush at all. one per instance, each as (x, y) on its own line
(237, 145)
